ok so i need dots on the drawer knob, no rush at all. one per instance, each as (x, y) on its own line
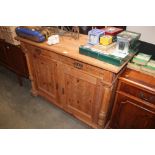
(126, 75)
(141, 95)
(78, 65)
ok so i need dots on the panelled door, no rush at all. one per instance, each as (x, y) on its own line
(83, 94)
(46, 76)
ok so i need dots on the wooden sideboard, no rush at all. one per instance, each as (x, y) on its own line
(82, 86)
(12, 58)
(134, 105)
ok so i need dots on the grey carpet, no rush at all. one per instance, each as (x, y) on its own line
(20, 110)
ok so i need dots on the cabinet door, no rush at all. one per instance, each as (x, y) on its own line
(16, 59)
(3, 52)
(130, 113)
(83, 94)
(45, 76)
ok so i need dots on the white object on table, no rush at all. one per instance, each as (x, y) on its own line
(54, 39)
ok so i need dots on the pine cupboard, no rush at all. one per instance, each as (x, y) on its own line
(80, 85)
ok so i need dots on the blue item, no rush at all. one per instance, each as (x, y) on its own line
(30, 34)
(94, 36)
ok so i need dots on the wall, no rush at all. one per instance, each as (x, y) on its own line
(147, 32)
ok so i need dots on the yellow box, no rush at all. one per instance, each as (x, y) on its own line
(106, 40)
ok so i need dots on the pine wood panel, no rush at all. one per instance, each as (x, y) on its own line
(81, 92)
(46, 74)
(69, 47)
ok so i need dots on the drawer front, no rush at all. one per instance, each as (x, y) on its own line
(107, 76)
(42, 52)
(138, 92)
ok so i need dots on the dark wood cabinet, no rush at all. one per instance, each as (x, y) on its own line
(12, 58)
(130, 113)
(134, 106)
(3, 56)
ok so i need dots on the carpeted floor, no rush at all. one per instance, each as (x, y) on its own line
(19, 109)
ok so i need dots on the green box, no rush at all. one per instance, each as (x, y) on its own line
(106, 58)
(111, 59)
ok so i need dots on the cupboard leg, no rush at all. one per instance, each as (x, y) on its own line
(102, 120)
(20, 80)
(34, 93)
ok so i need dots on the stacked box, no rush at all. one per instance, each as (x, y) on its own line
(94, 36)
(129, 36)
(149, 67)
(112, 30)
(141, 59)
(142, 63)
(106, 40)
(134, 66)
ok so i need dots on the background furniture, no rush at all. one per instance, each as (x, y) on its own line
(12, 58)
(85, 29)
(134, 105)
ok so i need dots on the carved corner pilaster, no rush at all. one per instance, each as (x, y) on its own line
(102, 119)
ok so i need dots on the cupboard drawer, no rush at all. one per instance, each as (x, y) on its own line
(42, 52)
(137, 92)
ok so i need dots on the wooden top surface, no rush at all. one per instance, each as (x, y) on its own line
(70, 47)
